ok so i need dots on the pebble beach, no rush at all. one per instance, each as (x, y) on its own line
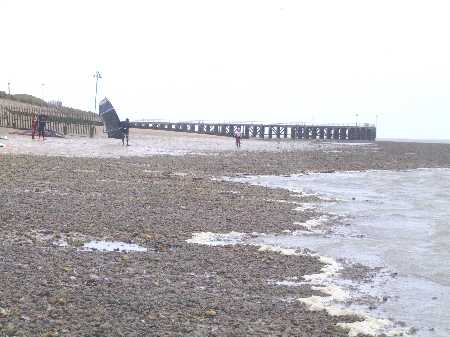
(61, 195)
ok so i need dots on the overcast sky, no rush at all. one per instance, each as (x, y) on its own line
(310, 61)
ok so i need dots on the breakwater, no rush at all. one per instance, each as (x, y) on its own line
(18, 115)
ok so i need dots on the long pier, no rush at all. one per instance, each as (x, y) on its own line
(363, 132)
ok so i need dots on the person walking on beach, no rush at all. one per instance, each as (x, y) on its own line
(34, 125)
(237, 135)
(125, 131)
(42, 123)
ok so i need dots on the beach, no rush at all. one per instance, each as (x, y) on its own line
(60, 195)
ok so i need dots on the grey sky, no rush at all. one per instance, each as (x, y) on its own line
(309, 61)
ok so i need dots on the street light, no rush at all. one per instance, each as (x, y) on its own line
(356, 119)
(9, 88)
(43, 91)
(97, 76)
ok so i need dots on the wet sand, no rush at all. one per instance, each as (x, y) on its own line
(143, 143)
(174, 288)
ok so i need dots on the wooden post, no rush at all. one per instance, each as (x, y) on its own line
(335, 133)
(346, 134)
(308, 133)
(322, 133)
(246, 131)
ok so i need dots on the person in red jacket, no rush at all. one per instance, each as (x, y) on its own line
(34, 125)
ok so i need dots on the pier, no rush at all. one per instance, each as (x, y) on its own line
(363, 132)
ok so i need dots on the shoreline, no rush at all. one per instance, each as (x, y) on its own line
(157, 202)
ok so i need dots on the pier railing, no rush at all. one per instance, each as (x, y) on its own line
(363, 132)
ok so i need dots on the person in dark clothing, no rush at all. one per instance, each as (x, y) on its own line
(237, 135)
(42, 123)
(125, 130)
(34, 126)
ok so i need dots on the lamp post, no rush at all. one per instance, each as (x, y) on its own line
(97, 76)
(9, 88)
(356, 119)
(376, 121)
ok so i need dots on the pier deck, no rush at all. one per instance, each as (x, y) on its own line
(267, 131)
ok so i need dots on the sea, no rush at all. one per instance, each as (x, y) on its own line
(397, 222)
(405, 140)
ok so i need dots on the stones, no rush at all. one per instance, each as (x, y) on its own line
(412, 331)
(51, 333)
(148, 237)
(210, 313)
(4, 313)
(9, 329)
(57, 300)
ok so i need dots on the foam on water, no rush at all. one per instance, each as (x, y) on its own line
(216, 239)
(277, 249)
(313, 224)
(60, 243)
(111, 246)
(85, 244)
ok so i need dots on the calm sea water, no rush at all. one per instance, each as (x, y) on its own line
(434, 141)
(400, 221)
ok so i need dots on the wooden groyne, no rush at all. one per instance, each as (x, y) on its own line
(268, 131)
(20, 115)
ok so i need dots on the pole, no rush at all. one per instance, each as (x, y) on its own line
(96, 90)
(9, 88)
(96, 76)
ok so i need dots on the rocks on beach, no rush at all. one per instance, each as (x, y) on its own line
(173, 288)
